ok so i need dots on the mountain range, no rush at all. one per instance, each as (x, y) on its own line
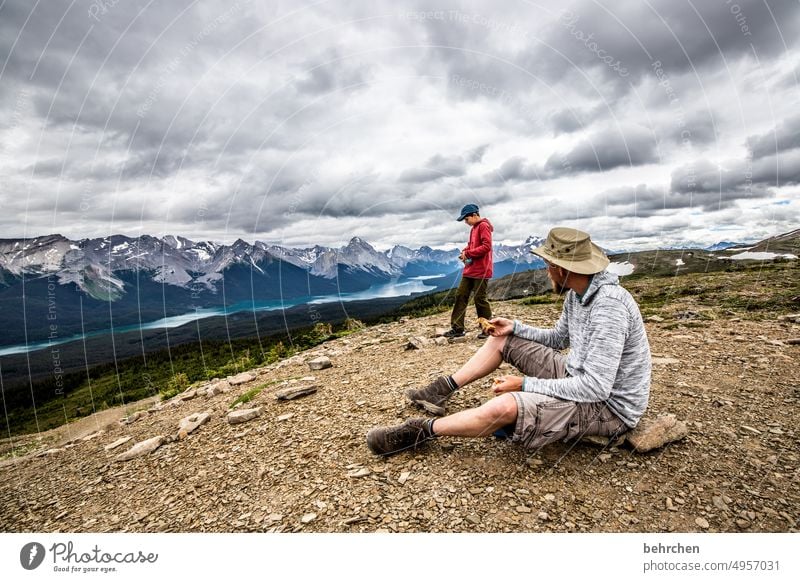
(54, 286)
(92, 283)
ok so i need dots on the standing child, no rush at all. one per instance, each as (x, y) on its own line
(477, 258)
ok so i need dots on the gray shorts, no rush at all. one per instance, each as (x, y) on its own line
(545, 419)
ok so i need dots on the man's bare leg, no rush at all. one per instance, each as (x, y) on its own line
(477, 422)
(485, 361)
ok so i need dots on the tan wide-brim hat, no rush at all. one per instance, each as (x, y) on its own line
(573, 250)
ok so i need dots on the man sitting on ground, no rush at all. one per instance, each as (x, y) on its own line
(601, 388)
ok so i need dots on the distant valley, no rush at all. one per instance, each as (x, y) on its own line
(52, 287)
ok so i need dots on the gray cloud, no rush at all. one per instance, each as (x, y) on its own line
(643, 201)
(632, 146)
(785, 136)
(602, 151)
(331, 71)
(699, 128)
(517, 168)
(705, 176)
(683, 38)
(243, 117)
(748, 179)
(440, 166)
(572, 120)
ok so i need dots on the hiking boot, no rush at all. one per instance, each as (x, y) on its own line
(388, 440)
(454, 333)
(433, 396)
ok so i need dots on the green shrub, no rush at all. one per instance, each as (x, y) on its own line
(539, 300)
(351, 324)
(277, 352)
(177, 384)
(319, 333)
(249, 395)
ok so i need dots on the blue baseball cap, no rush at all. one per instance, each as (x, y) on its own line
(468, 209)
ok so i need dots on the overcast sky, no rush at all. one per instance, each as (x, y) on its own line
(644, 122)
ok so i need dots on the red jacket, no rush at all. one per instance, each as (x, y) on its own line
(479, 249)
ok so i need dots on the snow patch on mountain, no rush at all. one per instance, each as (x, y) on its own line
(621, 269)
(760, 256)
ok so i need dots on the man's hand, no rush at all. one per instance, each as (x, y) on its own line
(507, 384)
(502, 326)
(462, 257)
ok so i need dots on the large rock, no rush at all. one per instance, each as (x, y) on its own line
(652, 433)
(240, 416)
(295, 392)
(217, 388)
(118, 443)
(188, 395)
(141, 448)
(191, 423)
(242, 378)
(92, 436)
(320, 363)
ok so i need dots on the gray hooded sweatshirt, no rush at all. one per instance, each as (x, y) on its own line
(609, 358)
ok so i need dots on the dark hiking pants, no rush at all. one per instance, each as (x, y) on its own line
(465, 289)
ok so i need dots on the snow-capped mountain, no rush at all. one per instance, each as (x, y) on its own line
(94, 283)
(96, 265)
(401, 257)
(359, 254)
(722, 245)
(520, 253)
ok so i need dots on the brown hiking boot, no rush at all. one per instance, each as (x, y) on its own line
(388, 440)
(433, 396)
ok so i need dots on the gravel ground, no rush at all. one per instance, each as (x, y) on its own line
(303, 465)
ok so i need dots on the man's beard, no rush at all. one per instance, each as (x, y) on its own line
(558, 288)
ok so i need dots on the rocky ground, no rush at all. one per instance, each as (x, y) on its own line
(302, 464)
